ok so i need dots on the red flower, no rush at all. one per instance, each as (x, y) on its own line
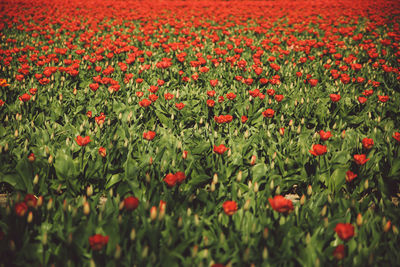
(211, 93)
(33, 91)
(30, 200)
(168, 96)
(345, 231)
(213, 83)
(340, 252)
(230, 207)
(325, 135)
(20, 209)
(153, 98)
(25, 97)
(220, 99)
(396, 136)
(270, 92)
(383, 98)
(230, 96)
(362, 100)
(279, 98)
(31, 157)
(2, 103)
(180, 177)
(313, 82)
(149, 135)
(281, 204)
(82, 141)
(131, 203)
(220, 149)
(368, 143)
(360, 159)
(102, 152)
(144, 103)
(100, 119)
(368, 92)
(89, 114)
(268, 113)
(170, 179)
(244, 119)
(350, 176)
(210, 103)
(94, 86)
(334, 97)
(318, 150)
(179, 106)
(98, 242)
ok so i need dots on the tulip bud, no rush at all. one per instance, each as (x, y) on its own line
(145, 251)
(133, 234)
(323, 211)
(50, 204)
(366, 185)
(246, 205)
(309, 190)
(250, 185)
(215, 178)
(302, 200)
(86, 208)
(16, 133)
(39, 202)
(117, 253)
(29, 218)
(153, 213)
(11, 245)
(359, 220)
(180, 222)
(265, 233)
(308, 238)
(255, 187)
(36, 179)
(395, 230)
(239, 176)
(386, 226)
(50, 160)
(278, 190)
(212, 187)
(89, 191)
(246, 134)
(195, 250)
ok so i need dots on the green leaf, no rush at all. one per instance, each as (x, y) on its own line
(64, 165)
(24, 170)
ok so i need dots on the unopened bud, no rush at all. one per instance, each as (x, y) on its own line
(215, 178)
(153, 213)
(195, 250)
(323, 211)
(89, 191)
(246, 205)
(359, 220)
(86, 208)
(308, 238)
(265, 253)
(50, 204)
(265, 233)
(278, 190)
(386, 226)
(133, 234)
(255, 187)
(117, 253)
(30, 217)
(271, 185)
(302, 200)
(145, 251)
(309, 190)
(239, 176)
(366, 184)
(50, 160)
(36, 179)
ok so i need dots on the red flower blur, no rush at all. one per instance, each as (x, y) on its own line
(268, 113)
(230, 207)
(220, 149)
(131, 203)
(345, 231)
(360, 159)
(318, 150)
(82, 141)
(281, 204)
(98, 242)
(149, 135)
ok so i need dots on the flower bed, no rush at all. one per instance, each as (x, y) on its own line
(200, 133)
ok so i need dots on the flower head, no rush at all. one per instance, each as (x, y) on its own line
(281, 204)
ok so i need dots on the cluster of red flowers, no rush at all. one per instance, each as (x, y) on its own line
(173, 179)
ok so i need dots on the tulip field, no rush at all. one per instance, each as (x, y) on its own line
(199, 133)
